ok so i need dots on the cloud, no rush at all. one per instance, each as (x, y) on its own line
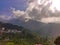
(51, 20)
(17, 13)
(21, 15)
(33, 11)
(5, 17)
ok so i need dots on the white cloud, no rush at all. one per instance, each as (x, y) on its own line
(17, 13)
(51, 20)
(5, 17)
(22, 15)
(35, 11)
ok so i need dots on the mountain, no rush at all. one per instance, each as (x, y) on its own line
(54, 29)
(25, 37)
(31, 24)
(10, 26)
(49, 29)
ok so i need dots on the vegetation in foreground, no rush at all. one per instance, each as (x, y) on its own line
(25, 37)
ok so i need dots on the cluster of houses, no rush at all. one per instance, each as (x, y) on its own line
(3, 30)
(8, 31)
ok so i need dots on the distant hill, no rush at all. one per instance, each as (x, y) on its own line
(26, 37)
(51, 29)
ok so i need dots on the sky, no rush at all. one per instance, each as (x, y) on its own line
(5, 5)
(28, 9)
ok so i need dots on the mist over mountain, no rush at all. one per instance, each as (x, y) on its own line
(45, 29)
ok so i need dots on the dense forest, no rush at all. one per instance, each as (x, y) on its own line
(24, 37)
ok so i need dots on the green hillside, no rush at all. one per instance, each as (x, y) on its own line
(25, 37)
